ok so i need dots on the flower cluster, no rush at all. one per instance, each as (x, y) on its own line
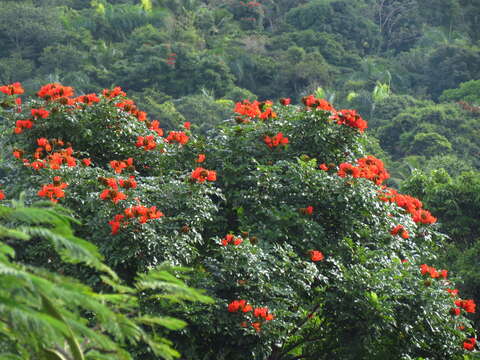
(432, 272)
(239, 305)
(111, 192)
(258, 315)
(316, 255)
(410, 204)
(307, 210)
(400, 230)
(87, 99)
(128, 184)
(342, 117)
(201, 175)
(110, 94)
(467, 305)
(230, 239)
(250, 110)
(277, 140)
(155, 126)
(373, 169)
(12, 89)
(140, 212)
(325, 167)
(147, 142)
(56, 91)
(130, 107)
(311, 101)
(40, 113)
(45, 156)
(346, 169)
(118, 166)
(53, 191)
(368, 167)
(469, 344)
(177, 136)
(22, 124)
(352, 119)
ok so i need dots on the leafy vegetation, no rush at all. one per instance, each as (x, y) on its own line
(292, 234)
(50, 316)
(273, 205)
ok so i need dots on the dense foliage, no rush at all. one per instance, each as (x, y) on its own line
(278, 184)
(50, 316)
(282, 215)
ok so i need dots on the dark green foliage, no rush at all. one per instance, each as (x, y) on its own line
(468, 91)
(48, 316)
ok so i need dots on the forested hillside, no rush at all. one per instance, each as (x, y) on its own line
(182, 59)
(410, 68)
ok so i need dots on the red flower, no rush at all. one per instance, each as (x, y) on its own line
(2, 195)
(309, 210)
(143, 213)
(348, 169)
(53, 191)
(453, 292)
(247, 108)
(116, 223)
(88, 99)
(17, 154)
(352, 119)
(40, 113)
(247, 308)
(147, 142)
(177, 136)
(187, 125)
(467, 305)
(12, 89)
(201, 158)
(323, 167)
(87, 161)
(373, 169)
(128, 184)
(237, 241)
(22, 124)
(469, 344)
(56, 91)
(117, 91)
(320, 104)
(155, 126)
(455, 311)
(316, 255)
(260, 312)
(277, 140)
(43, 142)
(239, 305)
(18, 101)
(424, 217)
(201, 175)
(230, 239)
(114, 195)
(285, 101)
(257, 326)
(119, 166)
(399, 229)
